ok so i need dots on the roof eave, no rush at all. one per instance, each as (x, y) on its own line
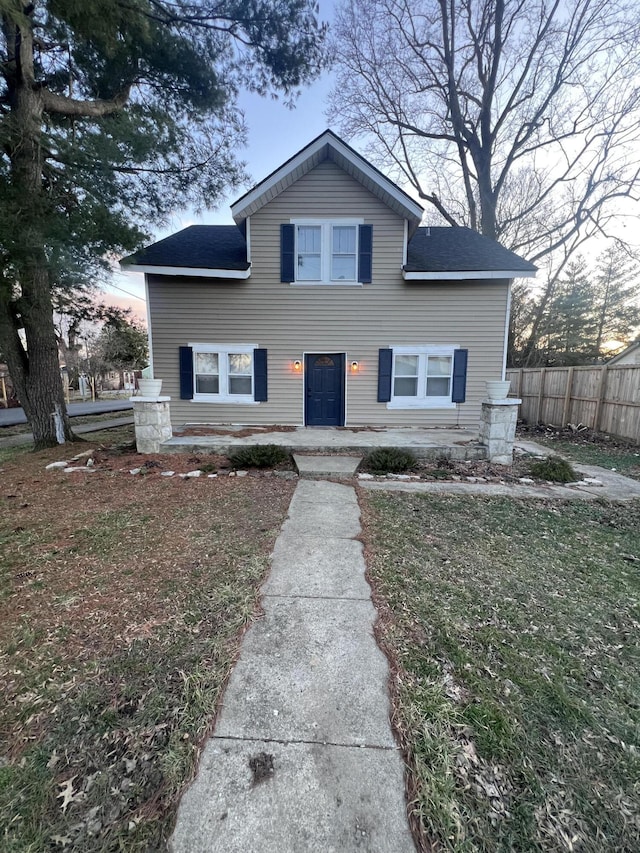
(466, 275)
(187, 272)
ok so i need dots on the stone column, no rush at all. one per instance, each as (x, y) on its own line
(152, 419)
(498, 429)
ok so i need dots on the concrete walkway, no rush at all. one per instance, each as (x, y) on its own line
(302, 757)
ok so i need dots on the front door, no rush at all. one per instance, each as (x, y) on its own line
(324, 390)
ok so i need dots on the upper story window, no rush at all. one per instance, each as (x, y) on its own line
(326, 251)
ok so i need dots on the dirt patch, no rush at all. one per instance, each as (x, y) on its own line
(237, 433)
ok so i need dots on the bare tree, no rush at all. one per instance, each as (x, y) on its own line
(515, 117)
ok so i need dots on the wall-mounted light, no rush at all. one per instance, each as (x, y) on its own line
(355, 366)
(297, 366)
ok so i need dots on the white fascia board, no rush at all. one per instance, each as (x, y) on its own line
(299, 159)
(192, 272)
(465, 275)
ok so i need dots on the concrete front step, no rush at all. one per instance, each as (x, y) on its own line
(326, 466)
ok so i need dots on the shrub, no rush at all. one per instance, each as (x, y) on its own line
(385, 460)
(258, 456)
(555, 468)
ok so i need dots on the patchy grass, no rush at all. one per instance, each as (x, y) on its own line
(512, 628)
(589, 448)
(122, 600)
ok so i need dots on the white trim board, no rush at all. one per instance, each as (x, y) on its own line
(190, 272)
(465, 275)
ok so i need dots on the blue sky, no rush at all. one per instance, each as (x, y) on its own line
(275, 133)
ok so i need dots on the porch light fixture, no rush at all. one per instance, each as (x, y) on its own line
(355, 366)
(297, 365)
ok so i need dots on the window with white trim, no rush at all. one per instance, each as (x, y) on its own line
(422, 377)
(223, 373)
(326, 251)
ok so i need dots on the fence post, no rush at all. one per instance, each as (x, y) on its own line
(540, 395)
(567, 398)
(601, 393)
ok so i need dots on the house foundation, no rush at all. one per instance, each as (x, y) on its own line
(498, 420)
(152, 421)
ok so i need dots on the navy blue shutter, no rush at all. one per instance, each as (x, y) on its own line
(459, 375)
(260, 375)
(365, 250)
(186, 373)
(287, 253)
(385, 362)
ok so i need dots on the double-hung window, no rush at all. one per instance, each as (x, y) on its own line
(223, 373)
(326, 252)
(422, 377)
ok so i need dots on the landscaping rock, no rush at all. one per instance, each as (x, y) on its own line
(191, 474)
(241, 473)
(211, 476)
(526, 481)
(90, 463)
(86, 470)
(53, 465)
(167, 473)
(364, 476)
(82, 455)
(135, 471)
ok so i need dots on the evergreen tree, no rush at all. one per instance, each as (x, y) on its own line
(568, 333)
(617, 309)
(114, 113)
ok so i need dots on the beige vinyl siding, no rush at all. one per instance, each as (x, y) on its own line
(292, 320)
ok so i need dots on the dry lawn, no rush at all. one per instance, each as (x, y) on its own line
(122, 602)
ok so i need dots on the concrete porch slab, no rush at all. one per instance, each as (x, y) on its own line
(424, 442)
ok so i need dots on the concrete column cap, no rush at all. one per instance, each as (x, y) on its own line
(149, 399)
(510, 401)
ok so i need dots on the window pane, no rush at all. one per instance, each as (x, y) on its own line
(206, 362)
(240, 385)
(240, 362)
(207, 384)
(344, 240)
(406, 365)
(438, 387)
(439, 365)
(343, 268)
(405, 387)
(308, 268)
(309, 239)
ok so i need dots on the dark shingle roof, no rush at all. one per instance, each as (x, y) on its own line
(458, 249)
(198, 246)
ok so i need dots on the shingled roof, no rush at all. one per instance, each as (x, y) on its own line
(456, 249)
(199, 247)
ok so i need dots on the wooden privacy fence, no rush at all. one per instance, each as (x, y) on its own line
(606, 399)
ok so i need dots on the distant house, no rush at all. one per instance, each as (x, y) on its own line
(326, 304)
(630, 355)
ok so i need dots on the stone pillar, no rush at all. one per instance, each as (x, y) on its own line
(498, 429)
(152, 419)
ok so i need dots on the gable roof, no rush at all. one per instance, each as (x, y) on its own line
(455, 252)
(328, 146)
(625, 352)
(210, 251)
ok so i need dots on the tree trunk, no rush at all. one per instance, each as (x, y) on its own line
(34, 368)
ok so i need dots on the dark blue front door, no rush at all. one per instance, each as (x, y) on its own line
(324, 390)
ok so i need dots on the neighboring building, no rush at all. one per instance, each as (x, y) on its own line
(327, 305)
(630, 355)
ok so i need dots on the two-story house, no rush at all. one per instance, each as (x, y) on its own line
(327, 304)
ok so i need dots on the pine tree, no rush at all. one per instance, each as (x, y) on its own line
(617, 291)
(113, 114)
